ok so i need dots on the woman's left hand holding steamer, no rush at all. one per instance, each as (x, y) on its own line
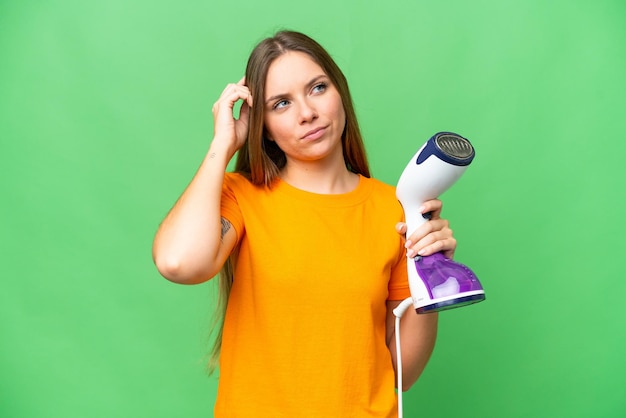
(432, 236)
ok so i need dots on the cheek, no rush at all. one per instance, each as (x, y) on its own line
(277, 129)
(336, 107)
(341, 115)
(269, 127)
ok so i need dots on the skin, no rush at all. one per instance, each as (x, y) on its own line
(304, 115)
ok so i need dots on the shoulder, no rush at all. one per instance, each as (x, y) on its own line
(380, 188)
(235, 178)
(238, 182)
(239, 187)
(383, 196)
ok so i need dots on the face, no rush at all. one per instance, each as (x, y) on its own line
(304, 113)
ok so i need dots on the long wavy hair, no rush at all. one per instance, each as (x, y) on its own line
(261, 160)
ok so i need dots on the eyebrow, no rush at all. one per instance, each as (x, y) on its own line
(308, 85)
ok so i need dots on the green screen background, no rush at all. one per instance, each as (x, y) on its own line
(105, 114)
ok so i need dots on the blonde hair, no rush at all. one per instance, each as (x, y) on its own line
(260, 160)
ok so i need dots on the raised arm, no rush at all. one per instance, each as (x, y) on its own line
(193, 241)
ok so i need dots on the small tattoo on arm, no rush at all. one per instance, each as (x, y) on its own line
(225, 227)
(211, 155)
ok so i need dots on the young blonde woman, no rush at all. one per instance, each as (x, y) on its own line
(311, 248)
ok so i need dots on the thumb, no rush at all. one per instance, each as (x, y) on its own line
(244, 112)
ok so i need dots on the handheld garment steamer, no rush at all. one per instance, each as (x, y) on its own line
(436, 283)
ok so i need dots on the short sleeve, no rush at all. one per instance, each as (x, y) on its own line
(399, 283)
(229, 205)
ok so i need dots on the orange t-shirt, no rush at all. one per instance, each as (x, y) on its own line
(304, 331)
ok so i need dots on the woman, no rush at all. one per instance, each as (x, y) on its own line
(306, 241)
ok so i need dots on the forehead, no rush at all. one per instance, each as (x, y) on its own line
(291, 70)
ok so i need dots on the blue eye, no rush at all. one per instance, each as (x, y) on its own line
(280, 104)
(319, 88)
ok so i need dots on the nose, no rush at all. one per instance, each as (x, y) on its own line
(307, 112)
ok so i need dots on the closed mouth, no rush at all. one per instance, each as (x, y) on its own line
(313, 132)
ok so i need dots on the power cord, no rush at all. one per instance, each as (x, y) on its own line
(398, 312)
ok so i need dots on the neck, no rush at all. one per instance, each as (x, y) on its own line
(318, 177)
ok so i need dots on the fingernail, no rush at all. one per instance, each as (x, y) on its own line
(408, 243)
(410, 253)
(421, 252)
(422, 209)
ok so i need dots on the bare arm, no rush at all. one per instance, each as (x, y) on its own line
(419, 333)
(193, 241)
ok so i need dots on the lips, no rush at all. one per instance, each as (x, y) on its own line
(314, 133)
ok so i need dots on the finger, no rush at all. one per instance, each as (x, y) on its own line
(242, 93)
(242, 82)
(428, 234)
(401, 228)
(432, 238)
(230, 87)
(244, 111)
(230, 96)
(433, 243)
(241, 125)
(447, 246)
(432, 207)
(235, 87)
(428, 228)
